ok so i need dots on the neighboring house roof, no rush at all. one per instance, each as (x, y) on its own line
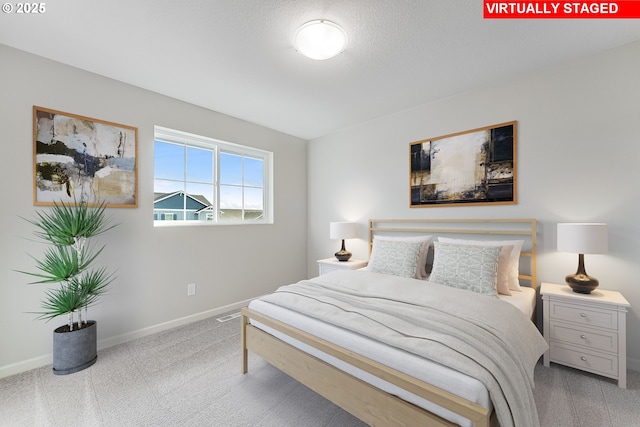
(206, 208)
(174, 201)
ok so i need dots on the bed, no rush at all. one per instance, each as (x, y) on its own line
(379, 379)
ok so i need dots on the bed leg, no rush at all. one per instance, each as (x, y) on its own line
(243, 334)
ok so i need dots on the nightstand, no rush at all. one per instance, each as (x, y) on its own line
(331, 264)
(586, 331)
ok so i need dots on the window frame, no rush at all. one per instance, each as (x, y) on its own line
(172, 136)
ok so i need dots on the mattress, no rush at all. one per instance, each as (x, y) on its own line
(403, 361)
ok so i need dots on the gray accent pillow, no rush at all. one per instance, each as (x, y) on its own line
(514, 260)
(474, 268)
(421, 270)
(399, 258)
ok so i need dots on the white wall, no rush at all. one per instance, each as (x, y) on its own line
(229, 264)
(578, 154)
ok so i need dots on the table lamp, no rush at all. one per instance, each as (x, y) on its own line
(582, 238)
(342, 230)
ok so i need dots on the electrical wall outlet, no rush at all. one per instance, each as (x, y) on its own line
(191, 289)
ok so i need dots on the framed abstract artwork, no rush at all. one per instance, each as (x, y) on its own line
(79, 158)
(473, 167)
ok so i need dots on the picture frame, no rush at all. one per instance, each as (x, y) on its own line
(77, 158)
(469, 168)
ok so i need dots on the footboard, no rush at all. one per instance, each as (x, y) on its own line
(368, 403)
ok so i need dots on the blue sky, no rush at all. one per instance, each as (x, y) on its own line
(169, 167)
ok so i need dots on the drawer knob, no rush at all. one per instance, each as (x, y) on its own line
(584, 337)
(584, 359)
(583, 315)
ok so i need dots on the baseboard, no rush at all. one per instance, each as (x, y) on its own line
(119, 339)
(26, 365)
(633, 364)
(47, 359)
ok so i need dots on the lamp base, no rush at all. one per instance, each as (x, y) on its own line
(581, 283)
(343, 255)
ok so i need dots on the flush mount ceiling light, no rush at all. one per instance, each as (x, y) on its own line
(320, 39)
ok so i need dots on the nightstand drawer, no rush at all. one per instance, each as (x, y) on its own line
(592, 361)
(585, 315)
(326, 269)
(573, 334)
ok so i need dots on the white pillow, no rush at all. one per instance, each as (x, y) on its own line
(395, 257)
(474, 268)
(502, 284)
(514, 260)
(421, 271)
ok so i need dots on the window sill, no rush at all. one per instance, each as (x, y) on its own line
(178, 223)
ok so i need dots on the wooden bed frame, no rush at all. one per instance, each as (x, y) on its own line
(370, 404)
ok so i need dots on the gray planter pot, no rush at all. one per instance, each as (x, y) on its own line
(74, 351)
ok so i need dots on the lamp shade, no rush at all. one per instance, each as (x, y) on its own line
(342, 230)
(583, 238)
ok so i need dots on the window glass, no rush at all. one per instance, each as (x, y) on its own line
(230, 203)
(253, 198)
(199, 165)
(168, 161)
(253, 172)
(230, 169)
(202, 180)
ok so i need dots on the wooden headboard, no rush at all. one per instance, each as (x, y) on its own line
(479, 229)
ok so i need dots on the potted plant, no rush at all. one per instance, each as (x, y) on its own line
(67, 261)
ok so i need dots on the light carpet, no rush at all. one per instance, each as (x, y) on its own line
(190, 376)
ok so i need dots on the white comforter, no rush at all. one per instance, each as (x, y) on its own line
(479, 336)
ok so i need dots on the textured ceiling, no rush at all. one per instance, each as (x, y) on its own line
(237, 56)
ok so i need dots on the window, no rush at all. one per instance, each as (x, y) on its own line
(199, 180)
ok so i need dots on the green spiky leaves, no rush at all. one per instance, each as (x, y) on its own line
(68, 259)
(64, 223)
(61, 263)
(80, 291)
